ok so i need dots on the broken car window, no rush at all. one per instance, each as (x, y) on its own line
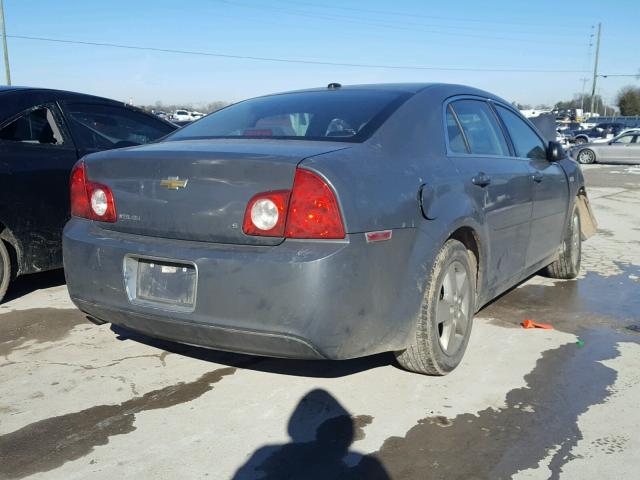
(96, 126)
(36, 126)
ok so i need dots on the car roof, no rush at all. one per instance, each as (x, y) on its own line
(443, 90)
(387, 87)
(53, 92)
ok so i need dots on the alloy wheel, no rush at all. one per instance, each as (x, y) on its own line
(453, 308)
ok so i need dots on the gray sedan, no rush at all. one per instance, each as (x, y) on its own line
(325, 224)
(625, 148)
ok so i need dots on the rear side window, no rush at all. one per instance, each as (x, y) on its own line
(97, 126)
(525, 141)
(336, 115)
(625, 139)
(35, 126)
(456, 139)
(480, 127)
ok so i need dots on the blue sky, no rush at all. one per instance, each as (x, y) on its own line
(534, 35)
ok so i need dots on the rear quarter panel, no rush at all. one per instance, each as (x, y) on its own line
(378, 185)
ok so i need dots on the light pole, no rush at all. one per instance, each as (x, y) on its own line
(4, 45)
(595, 69)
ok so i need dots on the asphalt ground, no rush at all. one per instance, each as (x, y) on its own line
(79, 400)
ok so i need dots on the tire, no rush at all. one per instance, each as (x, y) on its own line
(580, 140)
(446, 314)
(567, 266)
(5, 269)
(586, 156)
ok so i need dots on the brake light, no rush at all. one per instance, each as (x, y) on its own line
(90, 200)
(310, 210)
(78, 190)
(313, 209)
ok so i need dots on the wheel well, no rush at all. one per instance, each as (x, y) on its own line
(10, 242)
(469, 238)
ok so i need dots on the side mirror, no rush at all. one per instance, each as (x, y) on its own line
(554, 152)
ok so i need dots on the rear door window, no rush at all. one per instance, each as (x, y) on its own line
(97, 126)
(525, 140)
(481, 128)
(37, 126)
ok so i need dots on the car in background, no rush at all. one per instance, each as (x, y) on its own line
(602, 130)
(330, 223)
(43, 133)
(160, 114)
(625, 148)
(181, 116)
(623, 132)
(561, 137)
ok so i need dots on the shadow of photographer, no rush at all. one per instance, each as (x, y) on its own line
(321, 432)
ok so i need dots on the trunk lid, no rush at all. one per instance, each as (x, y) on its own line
(197, 189)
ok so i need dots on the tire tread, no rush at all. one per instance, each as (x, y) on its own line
(419, 356)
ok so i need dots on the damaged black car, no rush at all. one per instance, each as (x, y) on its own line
(43, 133)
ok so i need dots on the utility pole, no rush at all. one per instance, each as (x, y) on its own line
(595, 70)
(4, 44)
(584, 85)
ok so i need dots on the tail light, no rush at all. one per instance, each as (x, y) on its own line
(89, 199)
(313, 209)
(266, 214)
(309, 210)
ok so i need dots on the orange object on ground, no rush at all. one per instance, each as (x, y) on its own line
(532, 324)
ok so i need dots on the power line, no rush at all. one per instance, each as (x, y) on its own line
(636, 75)
(403, 23)
(403, 27)
(416, 15)
(292, 60)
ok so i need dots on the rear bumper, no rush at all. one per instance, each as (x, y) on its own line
(299, 299)
(208, 335)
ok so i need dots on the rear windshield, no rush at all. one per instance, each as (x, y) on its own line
(335, 115)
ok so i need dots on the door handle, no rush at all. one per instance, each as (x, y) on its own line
(481, 179)
(537, 177)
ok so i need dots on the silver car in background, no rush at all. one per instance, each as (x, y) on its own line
(625, 148)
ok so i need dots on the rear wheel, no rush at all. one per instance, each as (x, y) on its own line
(567, 265)
(446, 314)
(581, 140)
(586, 156)
(5, 269)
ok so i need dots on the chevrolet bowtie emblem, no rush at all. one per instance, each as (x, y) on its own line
(173, 183)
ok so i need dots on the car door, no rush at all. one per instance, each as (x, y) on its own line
(550, 186)
(619, 150)
(103, 126)
(633, 150)
(36, 157)
(499, 184)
